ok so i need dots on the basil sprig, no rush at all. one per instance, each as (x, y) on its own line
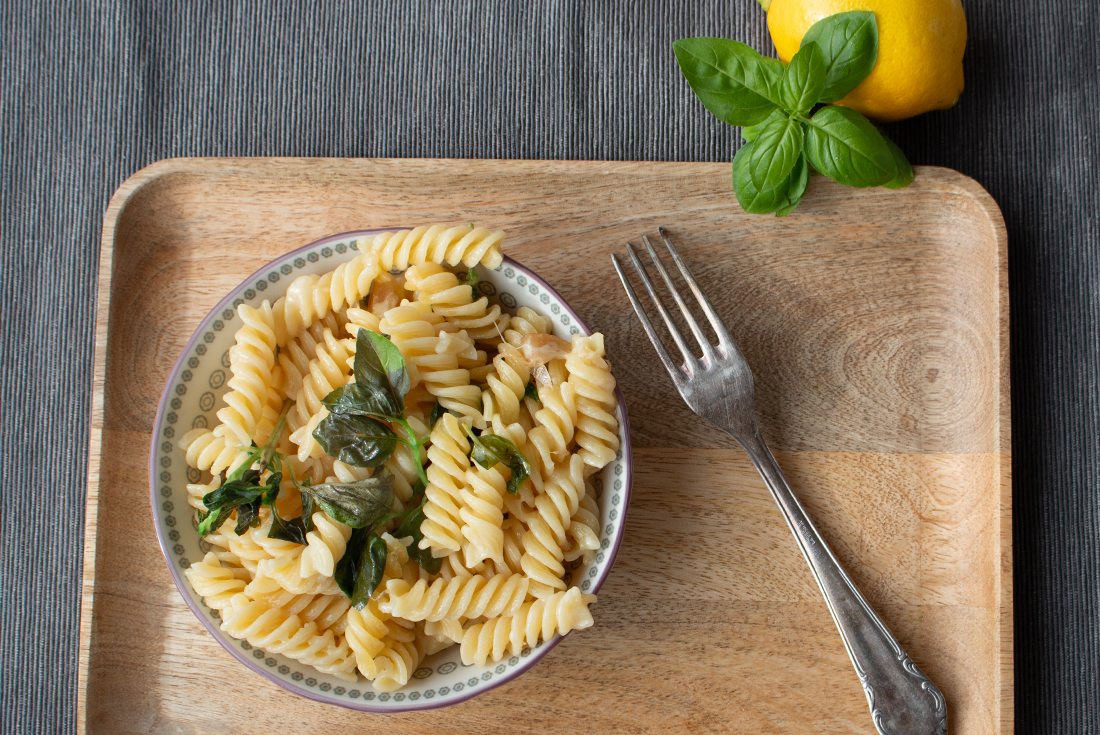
(487, 450)
(775, 105)
(244, 490)
(355, 430)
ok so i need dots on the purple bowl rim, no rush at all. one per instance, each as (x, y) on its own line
(177, 577)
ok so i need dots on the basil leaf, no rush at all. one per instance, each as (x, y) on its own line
(379, 363)
(211, 521)
(410, 526)
(849, 43)
(347, 569)
(271, 494)
(752, 132)
(248, 515)
(292, 530)
(531, 391)
(488, 450)
(245, 492)
(357, 504)
(733, 81)
(846, 147)
(905, 172)
(356, 440)
(370, 567)
(799, 181)
(362, 400)
(436, 415)
(774, 153)
(471, 280)
(753, 200)
(804, 79)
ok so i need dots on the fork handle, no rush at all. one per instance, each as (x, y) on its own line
(903, 700)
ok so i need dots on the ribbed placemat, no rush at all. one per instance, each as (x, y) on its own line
(91, 94)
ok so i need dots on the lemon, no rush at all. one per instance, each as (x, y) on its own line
(921, 43)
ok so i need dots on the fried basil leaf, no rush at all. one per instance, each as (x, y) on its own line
(531, 391)
(357, 504)
(348, 567)
(357, 440)
(358, 399)
(488, 450)
(411, 527)
(369, 568)
(378, 363)
(244, 492)
(292, 529)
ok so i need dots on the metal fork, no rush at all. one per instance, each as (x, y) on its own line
(719, 388)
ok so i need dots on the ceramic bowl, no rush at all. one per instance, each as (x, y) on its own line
(191, 399)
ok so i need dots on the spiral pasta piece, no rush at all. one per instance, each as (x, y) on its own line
(311, 298)
(545, 542)
(416, 334)
(327, 611)
(269, 416)
(458, 598)
(215, 583)
(250, 362)
(362, 319)
(254, 546)
(481, 513)
(449, 462)
(526, 321)
(287, 571)
(295, 355)
(513, 544)
(204, 450)
(584, 529)
(327, 371)
(276, 631)
(508, 382)
(396, 663)
(542, 619)
(441, 289)
(446, 632)
(470, 246)
(590, 375)
(197, 491)
(556, 422)
(326, 545)
(365, 632)
(451, 386)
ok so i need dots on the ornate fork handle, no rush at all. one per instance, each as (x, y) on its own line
(903, 700)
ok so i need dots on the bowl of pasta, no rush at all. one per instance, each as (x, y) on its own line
(391, 469)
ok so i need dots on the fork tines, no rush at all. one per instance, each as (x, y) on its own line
(711, 353)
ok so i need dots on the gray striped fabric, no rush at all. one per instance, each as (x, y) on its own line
(96, 90)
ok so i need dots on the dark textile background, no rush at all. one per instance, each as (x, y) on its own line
(93, 91)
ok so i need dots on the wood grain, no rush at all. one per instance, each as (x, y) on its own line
(876, 323)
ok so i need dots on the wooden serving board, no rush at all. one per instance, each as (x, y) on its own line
(876, 323)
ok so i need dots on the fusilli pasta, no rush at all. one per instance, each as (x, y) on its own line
(542, 619)
(501, 583)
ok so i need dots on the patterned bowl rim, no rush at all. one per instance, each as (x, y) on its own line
(216, 633)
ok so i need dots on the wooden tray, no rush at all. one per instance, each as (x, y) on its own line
(876, 323)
